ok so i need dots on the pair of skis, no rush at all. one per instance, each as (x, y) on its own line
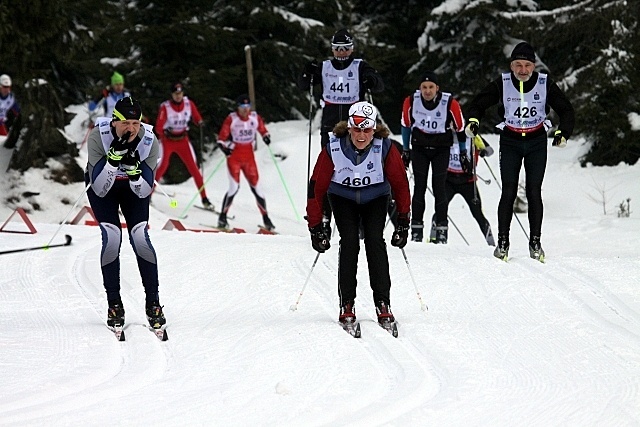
(160, 333)
(538, 256)
(353, 328)
(261, 229)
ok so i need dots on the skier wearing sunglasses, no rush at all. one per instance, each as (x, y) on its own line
(344, 80)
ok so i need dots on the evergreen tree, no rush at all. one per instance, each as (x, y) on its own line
(605, 81)
(38, 74)
(589, 47)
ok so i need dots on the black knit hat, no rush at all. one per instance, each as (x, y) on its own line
(342, 37)
(243, 100)
(523, 50)
(429, 76)
(176, 87)
(127, 109)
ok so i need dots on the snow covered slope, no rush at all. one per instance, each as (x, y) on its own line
(502, 344)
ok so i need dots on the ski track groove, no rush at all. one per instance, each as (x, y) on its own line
(48, 327)
(397, 379)
(591, 297)
(588, 296)
(90, 391)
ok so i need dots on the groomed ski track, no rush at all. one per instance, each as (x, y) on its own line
(501, 343)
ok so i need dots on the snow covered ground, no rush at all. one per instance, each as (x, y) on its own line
(502, 344)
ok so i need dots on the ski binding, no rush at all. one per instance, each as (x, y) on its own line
(118, 332)
(391, 327)
(160, 333)
(352, 328)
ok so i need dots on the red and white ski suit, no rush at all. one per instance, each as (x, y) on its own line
(172, 128)
(238, 134)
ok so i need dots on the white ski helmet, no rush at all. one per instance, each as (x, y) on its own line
(362, 115)
(5, 80)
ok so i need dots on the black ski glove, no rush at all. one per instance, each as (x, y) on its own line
(225, 149)
(267, 139)
(319, 239)
(559, 140)
(465, 162)
(130, 163)
(118, 148)
(311, 67)
(406, 158)
(401, 233)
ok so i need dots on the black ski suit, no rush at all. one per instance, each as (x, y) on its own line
(517, 148)
(334, 113)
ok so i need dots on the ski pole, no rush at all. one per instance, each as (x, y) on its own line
(310, 123)
(423, 306)
(294, 307)
(34, 248)
(201, 149)
(183, 215)
(284, 184)
(86, 135)
(371, 102)
(172, 202)
(90, 126)
(486, 181)
(500, 187)
(69, 213)
(475, 174)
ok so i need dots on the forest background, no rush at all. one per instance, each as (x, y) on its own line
(64, 52)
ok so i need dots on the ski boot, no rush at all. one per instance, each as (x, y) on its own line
(115, 315)
(535, 249)
(155, 316)
(207, 204)
(432, 233)
(347, 313)
(268, 225)
(502, 250)
(442, 234)
(386, 319)
(384, 312)
(347, 319)
(222, 221)
(417, 229)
